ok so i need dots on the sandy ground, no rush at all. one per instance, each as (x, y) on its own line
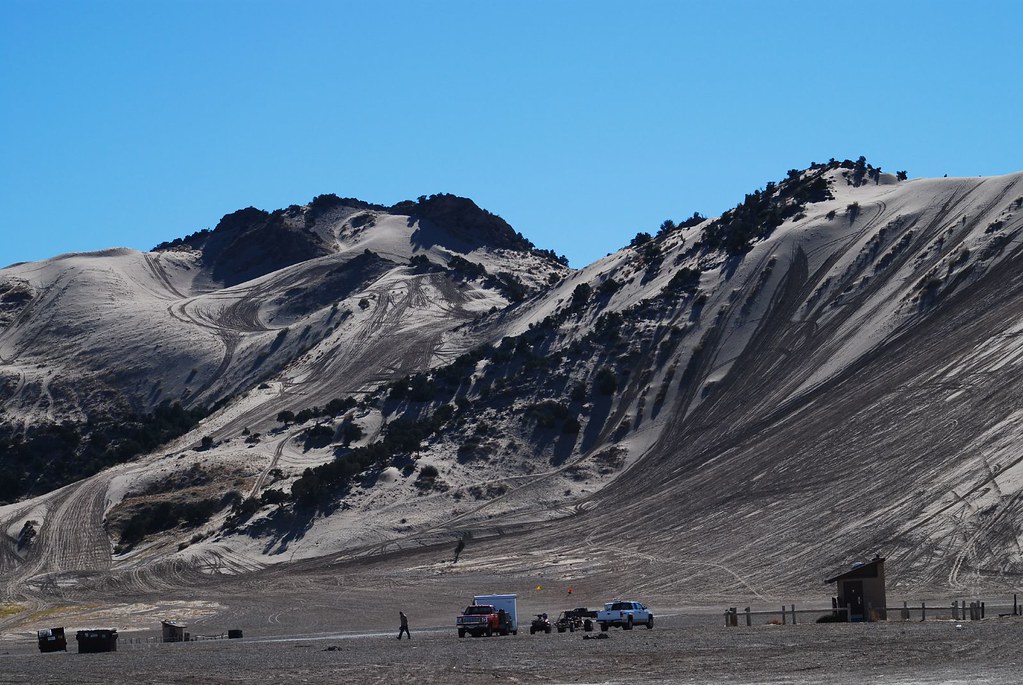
(680, 649)
(337, 622)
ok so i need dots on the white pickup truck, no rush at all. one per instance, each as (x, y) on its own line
(625, 614)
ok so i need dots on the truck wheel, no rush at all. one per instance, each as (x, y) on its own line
(650, 622)
(461, 632)
(547, 630)
(603, 627)
(571, 629)
(588, 626)
(628, 624)
(561, 629)
(490, 631)
(532, 630)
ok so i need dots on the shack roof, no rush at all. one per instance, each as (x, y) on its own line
(867, 570)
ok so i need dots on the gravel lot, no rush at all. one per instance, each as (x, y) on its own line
(324, 622)
(680, 649)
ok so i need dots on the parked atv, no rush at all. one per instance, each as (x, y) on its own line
(540, 624)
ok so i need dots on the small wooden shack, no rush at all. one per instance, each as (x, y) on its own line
(174, 631)
(861, 590)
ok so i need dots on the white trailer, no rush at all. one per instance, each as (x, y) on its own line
(506, 602)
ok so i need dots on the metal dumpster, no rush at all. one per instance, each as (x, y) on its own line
(97, 640)
(52, 640)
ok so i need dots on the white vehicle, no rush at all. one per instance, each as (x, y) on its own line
(507, 602)
(625, 615)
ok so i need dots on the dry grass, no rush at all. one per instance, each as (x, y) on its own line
(51, 612)
(10, 609)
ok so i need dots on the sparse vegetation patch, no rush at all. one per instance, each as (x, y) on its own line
(46, 456)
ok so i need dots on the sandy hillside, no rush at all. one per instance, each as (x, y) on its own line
(734, 407)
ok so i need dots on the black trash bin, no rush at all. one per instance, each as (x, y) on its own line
(97, 640)
(52, 640)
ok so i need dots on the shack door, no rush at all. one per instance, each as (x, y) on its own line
(852, 593)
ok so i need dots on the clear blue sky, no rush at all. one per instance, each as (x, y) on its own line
(581, 123)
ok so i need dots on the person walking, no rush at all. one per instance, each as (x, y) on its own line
(404, 625)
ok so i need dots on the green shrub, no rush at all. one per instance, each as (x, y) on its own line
(640, 239)
(338, 406)
(160, 516)
(366, 219)
(273, 497)
(684, 280)
(466, 269)
(241, 511)
(578, 393)
(318, 436)
(606, 383)
(548, 414)
(350, 432)
(608, 287)
(581, 295)
(27, 534)
(415, 388)
(428, 477)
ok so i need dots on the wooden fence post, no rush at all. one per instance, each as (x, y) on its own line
(784, 615)
(923, 611)
(905, 611)
(749, 620)
(793, 614)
